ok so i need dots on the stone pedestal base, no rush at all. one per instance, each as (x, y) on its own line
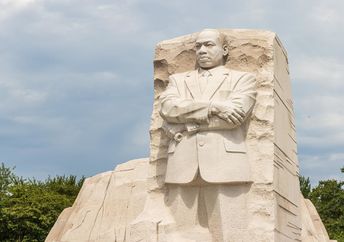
(117, 207)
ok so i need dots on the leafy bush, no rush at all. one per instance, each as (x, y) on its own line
(328, 198)
(29, 208)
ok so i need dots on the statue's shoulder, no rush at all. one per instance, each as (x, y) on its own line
(239, 74)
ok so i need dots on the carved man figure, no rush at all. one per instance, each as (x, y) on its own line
(205, 112)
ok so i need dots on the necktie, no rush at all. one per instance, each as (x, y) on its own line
(203, 80)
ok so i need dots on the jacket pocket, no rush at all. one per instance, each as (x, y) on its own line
(171, 147)
(233, 147)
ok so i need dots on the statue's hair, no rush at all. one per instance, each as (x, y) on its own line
(222, 37)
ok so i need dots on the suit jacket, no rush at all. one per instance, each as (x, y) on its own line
(207, 143)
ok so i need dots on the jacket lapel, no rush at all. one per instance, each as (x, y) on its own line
(219, 75)
(191, 81)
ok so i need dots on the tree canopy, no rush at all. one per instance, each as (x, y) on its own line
(328, 198)
(29, 208)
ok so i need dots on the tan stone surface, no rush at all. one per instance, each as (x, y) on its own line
(105, 206)
(273, 207)
(115, 227)
(133, 203)
(312, 227)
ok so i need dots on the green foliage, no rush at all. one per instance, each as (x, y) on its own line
(328, 198)
(305, 186)
(6, 179)
(29, 208)
(68, 185)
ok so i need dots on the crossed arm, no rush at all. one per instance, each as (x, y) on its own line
(209, 115)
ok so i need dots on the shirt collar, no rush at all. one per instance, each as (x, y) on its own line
(211, 71)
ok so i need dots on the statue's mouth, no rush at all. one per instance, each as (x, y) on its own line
(204, 58)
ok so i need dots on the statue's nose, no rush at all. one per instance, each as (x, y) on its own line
(203, 49)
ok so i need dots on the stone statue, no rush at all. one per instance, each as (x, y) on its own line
(206, 112)
(223, 163)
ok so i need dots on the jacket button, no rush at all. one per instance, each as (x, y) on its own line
(201, 143)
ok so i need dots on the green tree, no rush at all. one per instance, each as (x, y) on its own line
(328, 198)
(305, 186)
(7, 177)
(64, 185)
(29, 208)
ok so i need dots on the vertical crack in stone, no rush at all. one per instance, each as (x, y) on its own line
(101, 207)
(157, 230)
(126, 213)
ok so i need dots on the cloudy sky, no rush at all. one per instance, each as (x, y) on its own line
(76, 77)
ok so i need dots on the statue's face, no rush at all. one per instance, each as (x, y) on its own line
(209, 49)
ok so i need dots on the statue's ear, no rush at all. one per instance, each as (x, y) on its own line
(225, 50)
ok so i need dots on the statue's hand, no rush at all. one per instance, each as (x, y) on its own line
(227, 113)
(172, 129)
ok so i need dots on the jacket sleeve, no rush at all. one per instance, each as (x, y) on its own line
(242, 97)
(175, 109)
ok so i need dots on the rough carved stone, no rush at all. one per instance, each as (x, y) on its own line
(133, 203)
(116, 226)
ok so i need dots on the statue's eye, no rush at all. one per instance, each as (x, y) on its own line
(198, 46)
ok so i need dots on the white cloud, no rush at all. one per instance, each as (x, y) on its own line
(18, 95)
(12, 7)
(319, 104)
(28, 96)
(322, 142)
(319, 72)
(327, 13)
(322, 167)
(321, 117)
